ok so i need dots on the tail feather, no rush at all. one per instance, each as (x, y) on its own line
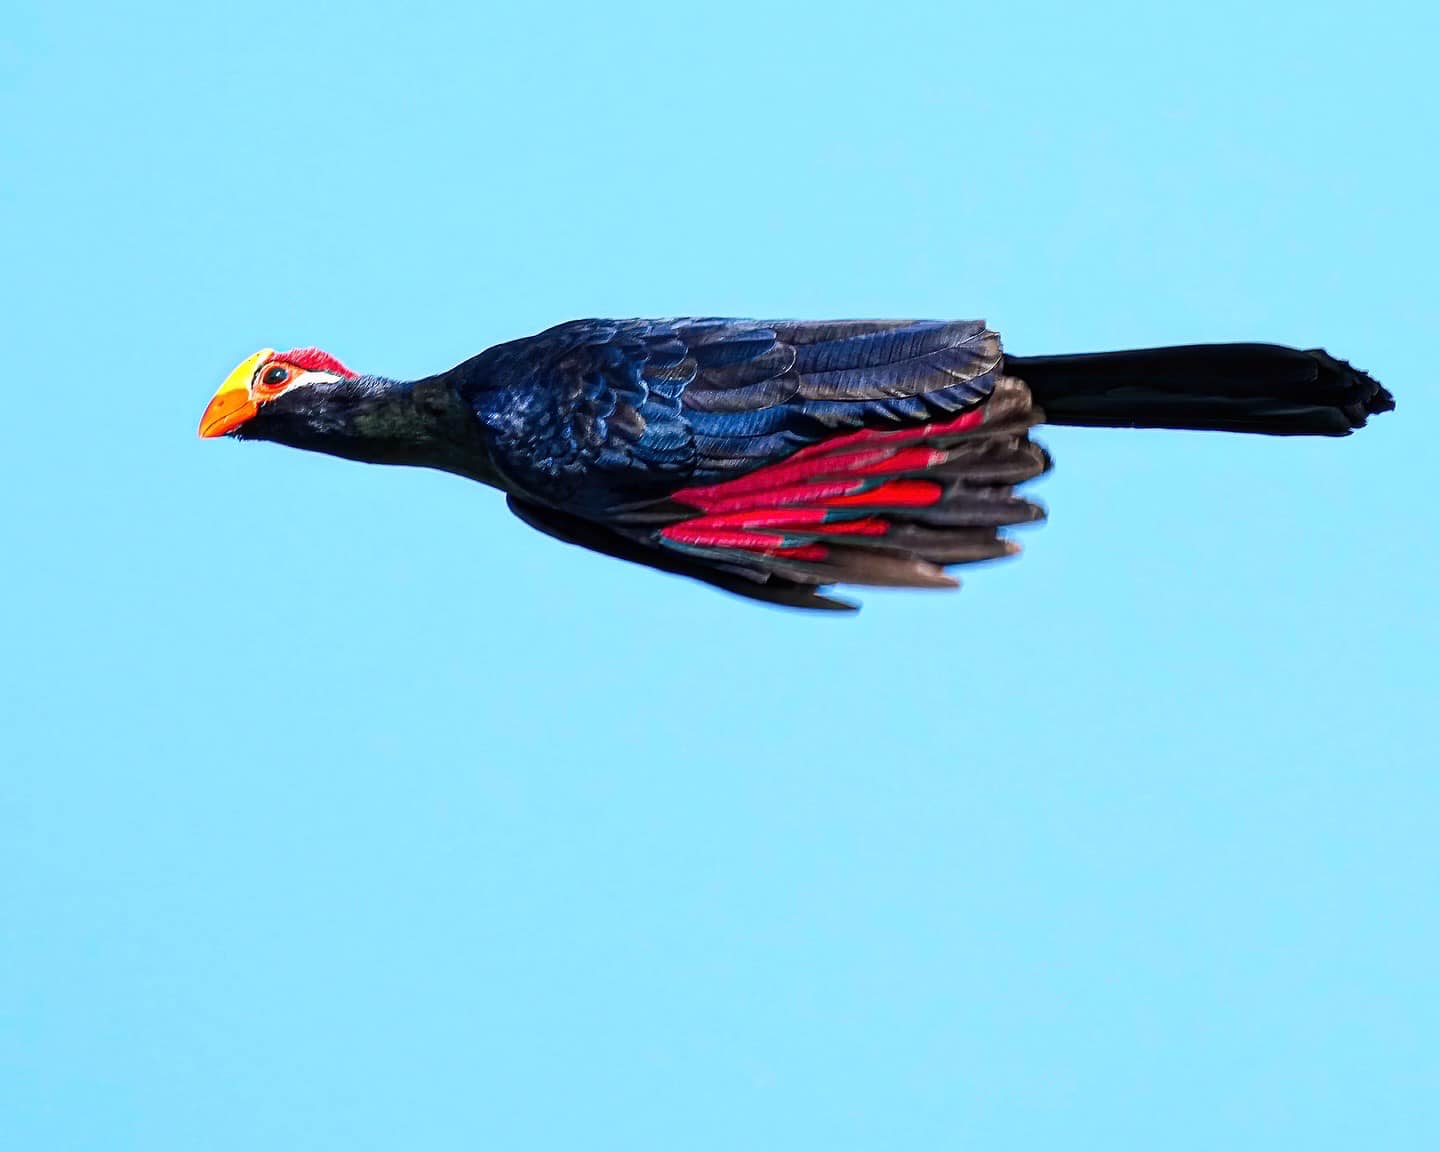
(1263, 388)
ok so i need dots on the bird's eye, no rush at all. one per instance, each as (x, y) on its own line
(275, 375)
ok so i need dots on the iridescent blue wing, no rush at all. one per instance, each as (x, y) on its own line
(602, 412)
(768, 457)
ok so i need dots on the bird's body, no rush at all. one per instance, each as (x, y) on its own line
(775, 458)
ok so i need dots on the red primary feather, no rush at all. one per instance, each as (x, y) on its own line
(839, 487)
(895, 494)
(965, 422)
(877, 453)
(878, 505)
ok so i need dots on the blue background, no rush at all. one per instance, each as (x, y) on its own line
(339, 810)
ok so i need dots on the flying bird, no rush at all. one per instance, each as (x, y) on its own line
(775, 459)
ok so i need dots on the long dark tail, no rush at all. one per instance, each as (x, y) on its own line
(1221, 387)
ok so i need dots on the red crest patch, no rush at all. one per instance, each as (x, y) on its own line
(314, 360)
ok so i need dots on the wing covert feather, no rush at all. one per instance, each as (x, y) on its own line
(597, 413)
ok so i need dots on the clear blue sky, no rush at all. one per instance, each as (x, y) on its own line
(341, 811)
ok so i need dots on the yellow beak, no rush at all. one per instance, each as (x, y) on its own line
(232, 405)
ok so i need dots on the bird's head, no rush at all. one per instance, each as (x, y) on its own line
(271, 393)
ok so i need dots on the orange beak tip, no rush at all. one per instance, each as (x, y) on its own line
(226, 412)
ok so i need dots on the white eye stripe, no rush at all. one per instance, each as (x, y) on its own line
(299, 380)
(312, 378)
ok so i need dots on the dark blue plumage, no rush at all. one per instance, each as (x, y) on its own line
(776, 458)
(596, 413)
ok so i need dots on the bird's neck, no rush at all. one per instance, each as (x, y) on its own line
(422, 423)
(382, 416)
